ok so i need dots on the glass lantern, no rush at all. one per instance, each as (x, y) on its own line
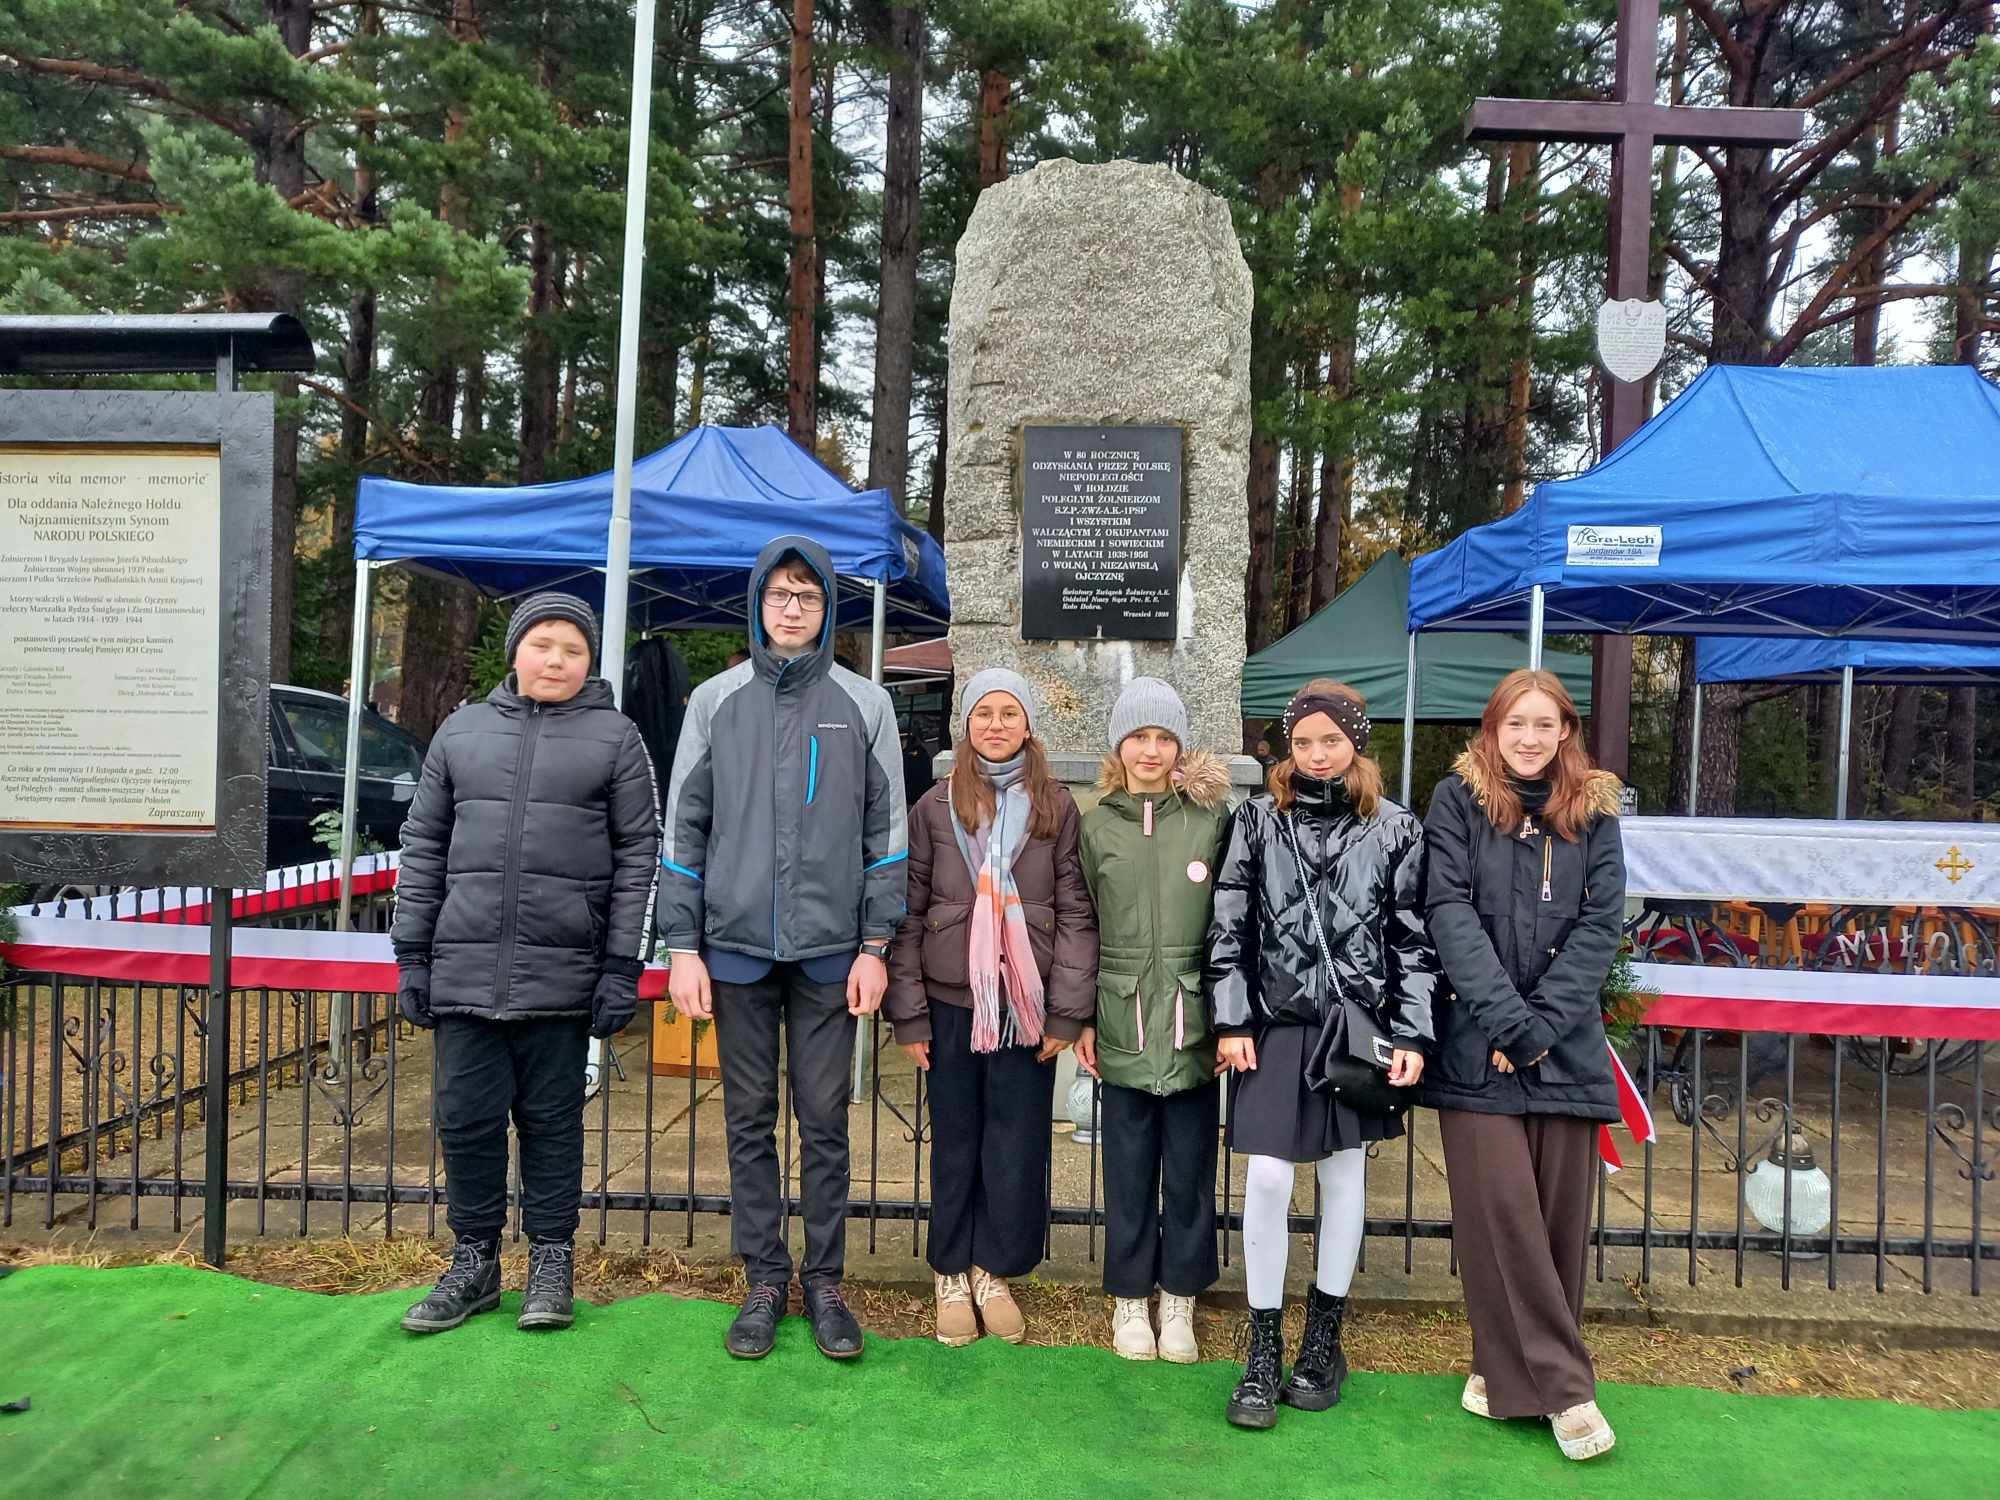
(1791, 1157)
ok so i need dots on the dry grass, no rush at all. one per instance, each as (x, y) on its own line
(1063, 1314)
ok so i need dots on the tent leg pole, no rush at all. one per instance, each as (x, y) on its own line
(1537, 606)
(1846, 739)
(869, 1033)
(1409, 713)
(350, 781)
(867, 1036)
(1694, 751)
(339, 1011)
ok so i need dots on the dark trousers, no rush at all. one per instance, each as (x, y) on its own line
(1159, 1190)
(532, 1070)
(819, 1058)
(1520, 1214)
(990, 1114)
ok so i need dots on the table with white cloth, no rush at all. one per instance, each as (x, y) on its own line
(1814, 926)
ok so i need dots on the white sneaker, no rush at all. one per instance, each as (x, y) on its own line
(1132, 1329)
(1177, 1329)
(1474, 1399)
(1582, 1432)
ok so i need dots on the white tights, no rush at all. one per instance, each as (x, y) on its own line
(1267, 1203)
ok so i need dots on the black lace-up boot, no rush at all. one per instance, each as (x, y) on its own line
(551, 1298)
(1322, 1364)
(1255, 1400)
(470, 1284)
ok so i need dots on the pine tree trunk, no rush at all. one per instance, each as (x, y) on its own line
(538, 358)
(802, 385)
(1899, 749)
(994, 91)
(357, 374)
(939, 472)
(1961, 746)
(896, 308)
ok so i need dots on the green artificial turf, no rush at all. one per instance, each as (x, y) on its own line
(163, 1380)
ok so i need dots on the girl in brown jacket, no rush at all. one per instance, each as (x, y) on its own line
(993, 973)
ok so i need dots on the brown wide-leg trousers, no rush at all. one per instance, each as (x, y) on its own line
(1520, 1213)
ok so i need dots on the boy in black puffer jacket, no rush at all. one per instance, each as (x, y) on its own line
(523, 910)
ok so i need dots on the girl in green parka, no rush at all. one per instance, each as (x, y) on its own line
(1149, 849)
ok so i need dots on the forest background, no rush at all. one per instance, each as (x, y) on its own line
(436, 188)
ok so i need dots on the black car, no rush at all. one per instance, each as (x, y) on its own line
(308, 758)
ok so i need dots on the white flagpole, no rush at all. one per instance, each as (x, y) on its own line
(618, 551)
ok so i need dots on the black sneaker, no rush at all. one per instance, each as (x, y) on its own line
(834, 1328)
(551, 1298)
(1254, 1402)
(1321, 1368)
(756, 1327)
(470, 1284)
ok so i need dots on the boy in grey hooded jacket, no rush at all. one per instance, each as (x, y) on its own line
(781, 885)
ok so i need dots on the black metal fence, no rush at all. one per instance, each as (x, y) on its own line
(103, 1100)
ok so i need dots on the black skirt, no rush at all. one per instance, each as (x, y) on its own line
(1273, 1113)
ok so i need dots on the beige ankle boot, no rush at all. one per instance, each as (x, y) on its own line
(1132, 1329)
(956, 1324)
(1177, 1341)
(997, 1308)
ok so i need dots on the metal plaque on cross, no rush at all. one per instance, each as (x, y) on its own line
(1631, 337)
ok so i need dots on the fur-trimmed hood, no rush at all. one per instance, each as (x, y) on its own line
(1604, 790)
(1200, 777)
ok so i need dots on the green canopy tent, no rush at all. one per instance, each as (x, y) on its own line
(1361, 639)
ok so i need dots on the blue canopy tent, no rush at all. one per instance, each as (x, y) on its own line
(1761, 502)
(1846, 660)
(702, 509)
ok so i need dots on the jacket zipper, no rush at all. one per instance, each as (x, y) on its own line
(1548, 864)
(777, 686)
(1153, 878)
(510, 892)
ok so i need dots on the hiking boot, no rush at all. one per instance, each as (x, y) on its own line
(550, 1301)
(834, 1328)
(1582, 1432)
(1322, 1364)
(997, 1308)
(470, 1284)
(957, 1325)
(1177, 1329)
(1132, 1329)
(755, 1328)
(1254, 1403)
(1474, 1397)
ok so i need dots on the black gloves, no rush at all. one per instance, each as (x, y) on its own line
(617, 997)
(413, 995)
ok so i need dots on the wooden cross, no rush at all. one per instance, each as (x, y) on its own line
(1632, 124)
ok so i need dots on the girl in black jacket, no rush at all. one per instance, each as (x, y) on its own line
(1526, 897)
(1322, 864)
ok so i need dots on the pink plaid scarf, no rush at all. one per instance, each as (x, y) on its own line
(1000, 955)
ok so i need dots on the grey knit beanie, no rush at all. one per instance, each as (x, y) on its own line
(539, 607)
(998, 680)
(1148, 703)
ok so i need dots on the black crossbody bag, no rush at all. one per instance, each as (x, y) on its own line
(1351, 1056)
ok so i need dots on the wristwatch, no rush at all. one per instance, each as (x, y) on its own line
(876, 948)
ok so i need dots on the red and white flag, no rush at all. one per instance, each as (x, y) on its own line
(1632, 1107)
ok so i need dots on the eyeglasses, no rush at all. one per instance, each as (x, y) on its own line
(810, 603)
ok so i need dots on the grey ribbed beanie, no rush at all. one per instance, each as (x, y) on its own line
(997, 680)
(552, 606)
(1148, 703)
